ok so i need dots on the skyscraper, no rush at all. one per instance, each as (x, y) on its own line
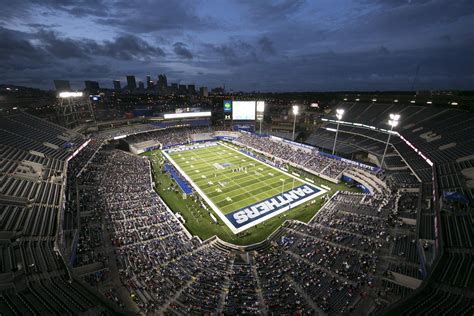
(117, 85)
(141, 86)
(203, 91)
(191, 89)
(131, 83)
(162, 82)
(182, 89)
(174, 88)
(148, 82)
(92, 86)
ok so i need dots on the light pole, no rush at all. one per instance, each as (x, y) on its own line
(260, 111)
(295, 112)
(339, 114)
(393, 121)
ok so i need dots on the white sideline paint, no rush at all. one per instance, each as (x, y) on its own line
(308, 179)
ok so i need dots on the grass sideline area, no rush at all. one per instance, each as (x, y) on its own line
(199, 223)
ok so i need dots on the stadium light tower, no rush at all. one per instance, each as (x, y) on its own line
(339, 114)
(73, 108)
(393, 122)
(260, 111)
(295, 112)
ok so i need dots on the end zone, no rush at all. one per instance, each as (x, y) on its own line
(251, 215)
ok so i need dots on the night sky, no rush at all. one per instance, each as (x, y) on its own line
(314, 45)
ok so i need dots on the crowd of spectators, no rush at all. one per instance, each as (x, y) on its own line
(408, 204)
(335, 258)
(346, 259)
(242, 296)
(329, 265)
(158, 263)
(306, 158)
(168, 137)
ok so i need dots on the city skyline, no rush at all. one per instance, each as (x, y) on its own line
(245, 45)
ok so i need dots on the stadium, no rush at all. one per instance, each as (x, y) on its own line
(369, 214)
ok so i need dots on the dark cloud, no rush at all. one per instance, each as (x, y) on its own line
(30, 9)
(181, 50)
(61, 47)
(369, 69)
(14, 10)
(43, 56)
(41, 25)
(155, 15)
(379, 68)
(413, 18)
(268, 9)
(16, 47)
(238, 52)
(383, 50)
(124, 47)
(266, 45)
(393, 3)
(78, 8)
(235, 53)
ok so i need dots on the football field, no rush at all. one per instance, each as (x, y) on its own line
(241, 190)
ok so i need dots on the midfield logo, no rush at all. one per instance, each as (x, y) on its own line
(265, 208)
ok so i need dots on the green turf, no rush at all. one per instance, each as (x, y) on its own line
(231, 190)
(200, 224)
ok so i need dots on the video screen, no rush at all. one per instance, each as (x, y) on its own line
(243, 110)
(227, 106)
